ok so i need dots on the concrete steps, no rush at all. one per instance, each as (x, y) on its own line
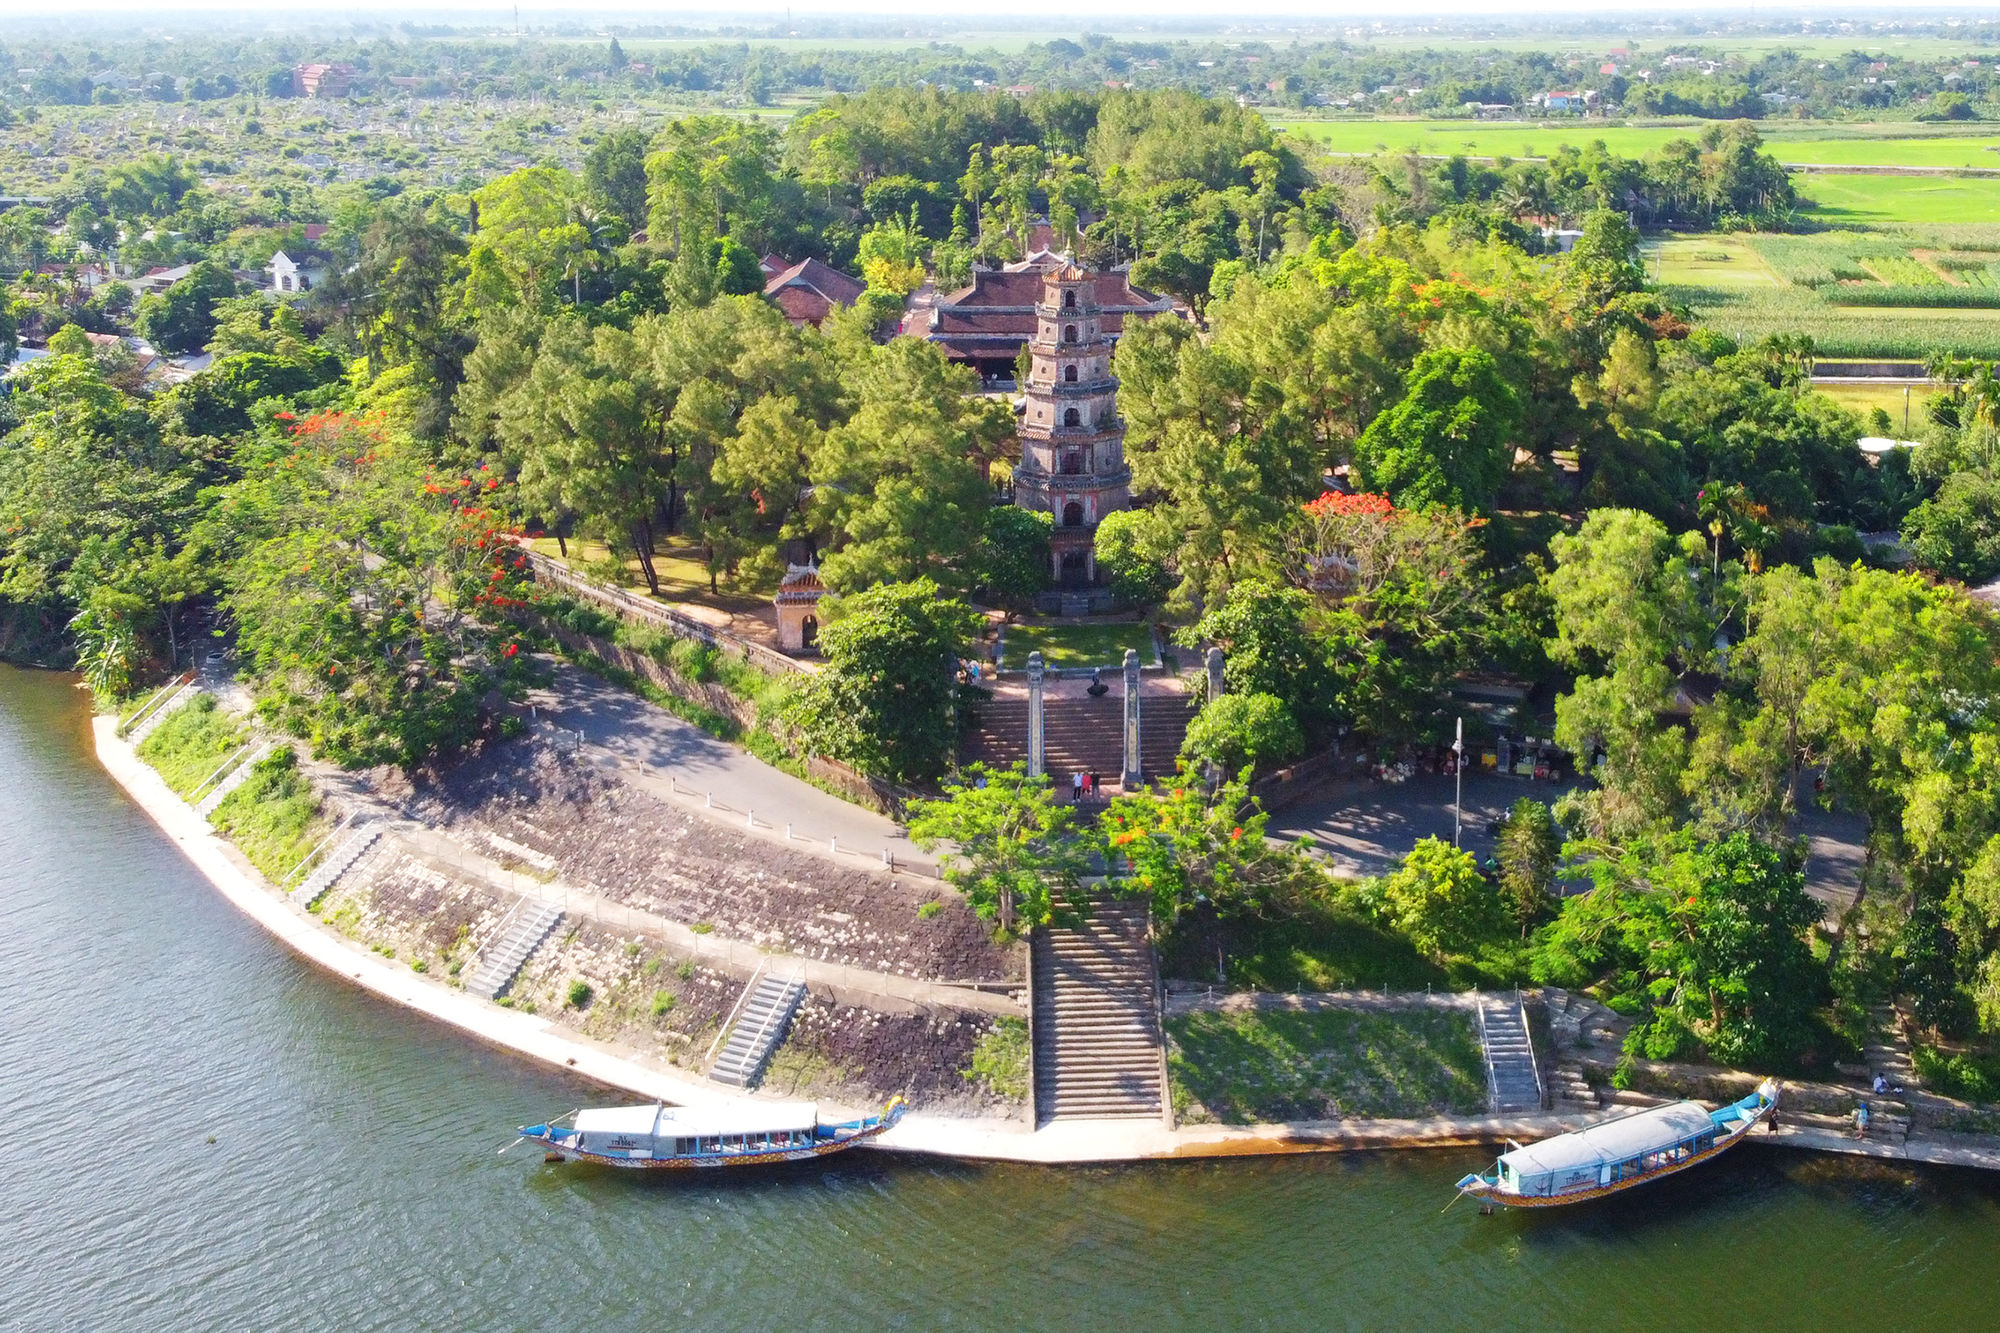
(1096, 1015)
(1512, 1081)
(499, 964)
(337, 863)
(1569, 1091)
(230, 781)
(159, 712)
(762, 1025)
(1080, 735)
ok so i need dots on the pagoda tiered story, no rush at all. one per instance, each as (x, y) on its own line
(1072, 441)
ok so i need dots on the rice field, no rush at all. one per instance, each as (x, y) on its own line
(1822, 145)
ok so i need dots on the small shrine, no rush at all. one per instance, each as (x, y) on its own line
(798, 609)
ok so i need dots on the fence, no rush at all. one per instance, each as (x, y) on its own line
(556, 573)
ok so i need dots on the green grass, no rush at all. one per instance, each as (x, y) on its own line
(1868, 200)
(1895, 144)
(1710, 261)
(192, 743)
(1317, 947)
(1088, 645)
(274, 818)
(1000, 1059)
(1865, 398)
(1270, 1065)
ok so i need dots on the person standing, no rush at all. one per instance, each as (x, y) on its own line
(1076, 786)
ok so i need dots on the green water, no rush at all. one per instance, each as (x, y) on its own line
(353, 1184)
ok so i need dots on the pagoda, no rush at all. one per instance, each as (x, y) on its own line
(1072, 442)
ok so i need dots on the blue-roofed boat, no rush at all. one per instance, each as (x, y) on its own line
(1620, 1154)
(746, 1133)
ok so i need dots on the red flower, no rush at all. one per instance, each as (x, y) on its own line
(1236, 833)
(512, 648)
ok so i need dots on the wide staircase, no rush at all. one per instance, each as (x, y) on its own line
(521, 934)
(1512, 1082)
(1080, 735)
(1096, 1017)
(759, 1029)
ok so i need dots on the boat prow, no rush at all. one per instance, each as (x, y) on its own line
(745, 1133)
(1620, 1153)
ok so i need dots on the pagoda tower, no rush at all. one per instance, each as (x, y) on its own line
(1072, 442)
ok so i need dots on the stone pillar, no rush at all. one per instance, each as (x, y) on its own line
(1131, 778)
(1214, 662)
(1035, 764)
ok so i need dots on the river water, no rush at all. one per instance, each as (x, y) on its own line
(205, 1133)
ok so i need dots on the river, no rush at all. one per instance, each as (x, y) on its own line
(205, 1133)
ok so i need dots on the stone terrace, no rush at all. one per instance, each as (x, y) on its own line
(590, 829)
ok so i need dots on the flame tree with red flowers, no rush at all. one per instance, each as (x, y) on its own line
(371, 596)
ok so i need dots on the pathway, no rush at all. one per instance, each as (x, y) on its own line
(1096, 1015)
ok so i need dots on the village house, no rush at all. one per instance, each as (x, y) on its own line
(319, 81)
(300, 271)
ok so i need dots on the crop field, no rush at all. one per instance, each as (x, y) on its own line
(1851, 199)
(1842, 145)
(1878, 294)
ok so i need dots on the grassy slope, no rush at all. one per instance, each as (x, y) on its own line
(1244, 1067)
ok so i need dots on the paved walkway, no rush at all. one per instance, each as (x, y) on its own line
(666, 757)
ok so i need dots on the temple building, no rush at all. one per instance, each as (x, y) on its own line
(1072, 441)
(985, 324)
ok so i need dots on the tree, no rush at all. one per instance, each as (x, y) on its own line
(1530, 848)
(1182, 843)
(1128, 545)
(1015, 850)
(886, 700)
(1439, 899)
(1239, 731)
(614, 177)
(1014, 561)
(1957, 531)
(902, 483)
(1268, 649)
(1450, 440)
(182, 318)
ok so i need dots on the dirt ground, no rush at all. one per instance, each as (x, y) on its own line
(840, 1051)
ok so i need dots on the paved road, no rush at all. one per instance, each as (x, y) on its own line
(1366, 826)
(678, 761)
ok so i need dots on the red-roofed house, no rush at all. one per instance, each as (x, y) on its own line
(808, 291)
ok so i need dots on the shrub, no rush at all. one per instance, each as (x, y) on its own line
(1964, 1075)
(663, 1003)
(1244, 729)
(578, 994)
(1000, 1059)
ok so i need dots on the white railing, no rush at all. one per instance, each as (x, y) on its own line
(316, 849)
(160, 696)
(736, 1009)
(1486, 1052)
(1527, 1036)
(771, 1015)
(470, 968)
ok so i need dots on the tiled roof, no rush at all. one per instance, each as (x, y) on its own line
(828, 281)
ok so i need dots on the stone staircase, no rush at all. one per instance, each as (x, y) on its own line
(230, 781)
(1570, 1092)
(1096, 1016)
(523, 932)
(159, 712)
(759, 1029)
(1887, 1052)
(1512, 1083)
(1081, 735)
(337, 863)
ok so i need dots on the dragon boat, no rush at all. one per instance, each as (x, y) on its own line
(668, 1138)
(1619, 1154)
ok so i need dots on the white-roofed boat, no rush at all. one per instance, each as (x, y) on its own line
(745, 1133)
(1618, 1154)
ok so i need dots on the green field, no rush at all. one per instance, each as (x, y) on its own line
(1846, 145)
(1901, 199)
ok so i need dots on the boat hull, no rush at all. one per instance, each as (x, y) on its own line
(1507, 1200)
(560, 1151)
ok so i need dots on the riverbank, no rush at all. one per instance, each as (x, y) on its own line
(981, 1139)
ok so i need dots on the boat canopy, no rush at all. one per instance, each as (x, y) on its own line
(745, 1117)
(1613, 1141)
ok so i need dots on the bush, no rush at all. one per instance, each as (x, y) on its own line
(1244, 729)
(191, 742)
(1964, 1075)
(274, 817)
(663, 1003)
(578, 994)
(1000, 1059)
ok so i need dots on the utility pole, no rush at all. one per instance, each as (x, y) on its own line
(1458, 774)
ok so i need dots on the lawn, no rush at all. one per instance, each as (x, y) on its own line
(1316, 947)
(1718, 260)
(1085, 645)
(1269, 1065)
(683, 577)
(1865, 398)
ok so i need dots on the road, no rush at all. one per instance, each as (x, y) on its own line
(1366, 826)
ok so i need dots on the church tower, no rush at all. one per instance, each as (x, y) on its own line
(1072, 442)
